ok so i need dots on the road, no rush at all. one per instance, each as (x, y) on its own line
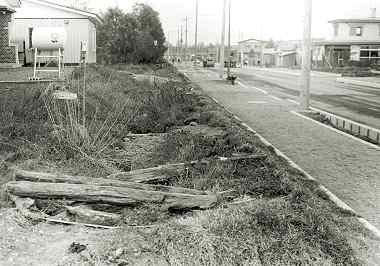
(358, 103)
(347, 166)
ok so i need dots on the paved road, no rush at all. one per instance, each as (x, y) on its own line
(347, 167)
(359, 103)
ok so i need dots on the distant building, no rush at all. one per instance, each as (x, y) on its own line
(80, 27)
(8, 49)
(353, 42)
(252, 51)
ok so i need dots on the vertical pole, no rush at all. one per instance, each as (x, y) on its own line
(35, 63)
(306, 57)
(84, 89)
(178, 44)
(229, 40)
(186, 40)
(196, 30)
(221, 64)
(59, 63)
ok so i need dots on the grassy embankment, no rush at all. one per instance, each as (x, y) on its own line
(287, 222)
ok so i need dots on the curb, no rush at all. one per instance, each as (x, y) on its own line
(358, 82)
(331, 196)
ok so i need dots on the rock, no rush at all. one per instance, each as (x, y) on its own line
(76, 247)
(8, 157)
(193, 124)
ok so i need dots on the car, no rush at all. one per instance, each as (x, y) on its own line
(209, 62)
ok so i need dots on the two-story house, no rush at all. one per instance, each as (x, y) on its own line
(8, 49)
(353, 42)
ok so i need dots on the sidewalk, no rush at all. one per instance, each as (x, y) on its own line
(348, 168)
(295, 72)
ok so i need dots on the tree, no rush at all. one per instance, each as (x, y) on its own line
(135, 37)
(151, 40)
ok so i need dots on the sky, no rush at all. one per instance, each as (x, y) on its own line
(260, 19)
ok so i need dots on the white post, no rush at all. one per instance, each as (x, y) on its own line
(59, 63)
(306, 58)
(221, 63)
(229, 40)
(35, 63)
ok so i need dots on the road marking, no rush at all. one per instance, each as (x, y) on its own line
(293, 101)
(257, 102)
(251, 87)
(337, 131)
(275, 97)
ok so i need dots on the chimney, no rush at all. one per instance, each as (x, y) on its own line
(373, 12)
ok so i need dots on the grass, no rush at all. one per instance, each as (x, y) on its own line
(287, 221)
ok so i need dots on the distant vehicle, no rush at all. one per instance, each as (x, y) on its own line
(209, 62)
(233, 64)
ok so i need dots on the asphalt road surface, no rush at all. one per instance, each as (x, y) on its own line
(358, 103)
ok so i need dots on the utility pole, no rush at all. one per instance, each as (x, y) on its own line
(178, 44)
(196, 30)
(306, 58)
(221, 64)
(229, 40)
(186, 39)
(181, 43)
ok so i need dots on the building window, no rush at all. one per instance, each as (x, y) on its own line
(358, 31)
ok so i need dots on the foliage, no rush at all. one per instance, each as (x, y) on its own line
(135, 37)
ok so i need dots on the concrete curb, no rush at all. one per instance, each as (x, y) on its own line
(331, 196)
(358, 82)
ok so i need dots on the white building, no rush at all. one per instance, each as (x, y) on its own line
(353, 41)
(80, 26)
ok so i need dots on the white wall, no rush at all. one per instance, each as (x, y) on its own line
(370, 31)
(79, 28)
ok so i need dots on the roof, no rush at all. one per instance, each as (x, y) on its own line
(288, 53)
(9, 5)
(250, 40)
(356, 20)
(88, 14)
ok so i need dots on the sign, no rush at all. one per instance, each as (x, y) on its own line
(65, 95)
(355, 53)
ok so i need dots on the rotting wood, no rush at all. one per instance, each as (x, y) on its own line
(23, 205)
(21, 175)
(155, 174)
(107, 194)
(84, 214)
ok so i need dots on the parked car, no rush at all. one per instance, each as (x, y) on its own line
(209, 62)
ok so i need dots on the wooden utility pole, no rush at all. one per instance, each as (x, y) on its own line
(306, 58)
(229, 40)
(196, 30)
(221, 63)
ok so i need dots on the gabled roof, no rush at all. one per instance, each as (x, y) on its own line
(250, 40)
(356, 20)
(90, 15)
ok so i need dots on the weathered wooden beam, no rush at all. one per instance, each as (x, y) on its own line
(108, 194)
(21, 175)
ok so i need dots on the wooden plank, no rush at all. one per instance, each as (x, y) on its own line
(107, 194)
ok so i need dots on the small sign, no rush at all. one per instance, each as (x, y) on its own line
(65, 95)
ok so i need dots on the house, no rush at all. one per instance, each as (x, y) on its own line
(251, 51)
(80, 27)
(354, 42)
(8, 49)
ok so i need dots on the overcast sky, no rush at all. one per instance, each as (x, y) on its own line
(262, 19)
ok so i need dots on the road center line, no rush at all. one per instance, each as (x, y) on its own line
(251, 87)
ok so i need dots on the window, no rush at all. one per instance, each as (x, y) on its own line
(358, 31)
